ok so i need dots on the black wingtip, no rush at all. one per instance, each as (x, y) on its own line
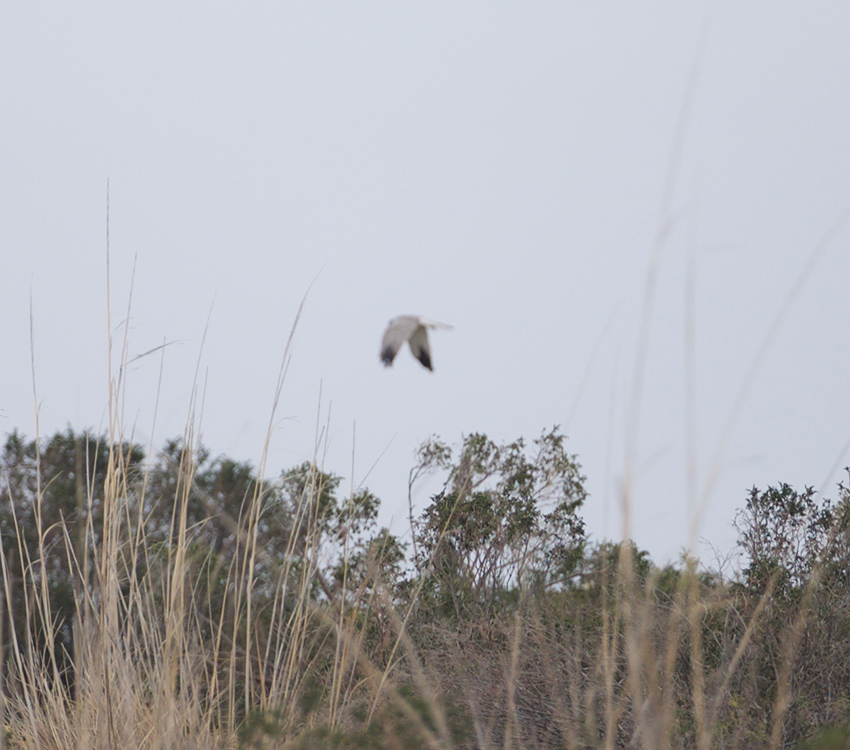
(425, 359)
(387, 356)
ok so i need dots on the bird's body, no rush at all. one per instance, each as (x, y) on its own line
(414, 330)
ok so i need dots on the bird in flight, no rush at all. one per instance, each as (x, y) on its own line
(412, 329)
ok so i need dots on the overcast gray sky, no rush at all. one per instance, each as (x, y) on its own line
(505, 167)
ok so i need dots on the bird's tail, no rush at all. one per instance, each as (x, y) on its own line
(434, 324)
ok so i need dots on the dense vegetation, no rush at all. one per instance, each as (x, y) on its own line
(181, 600)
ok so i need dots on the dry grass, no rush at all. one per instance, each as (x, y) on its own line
(633, 658)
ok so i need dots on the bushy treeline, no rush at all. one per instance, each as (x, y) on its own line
(278, 607)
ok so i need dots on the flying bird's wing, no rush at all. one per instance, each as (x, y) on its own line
(398, 331)
(419, 346)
